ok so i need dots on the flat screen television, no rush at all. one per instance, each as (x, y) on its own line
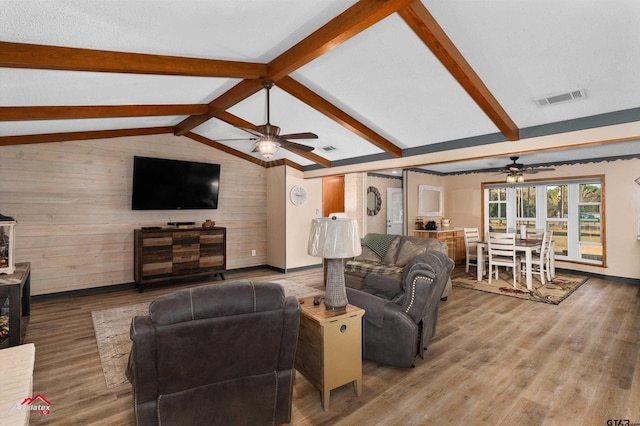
(162, 184)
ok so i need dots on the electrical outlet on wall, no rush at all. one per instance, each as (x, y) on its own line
(253, 252)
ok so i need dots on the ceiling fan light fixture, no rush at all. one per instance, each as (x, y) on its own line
(267, 147)
(514, 177)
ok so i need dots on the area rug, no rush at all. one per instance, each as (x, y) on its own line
(112, 332)
(552, 292)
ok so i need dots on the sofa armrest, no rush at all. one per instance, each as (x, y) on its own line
(141, 369)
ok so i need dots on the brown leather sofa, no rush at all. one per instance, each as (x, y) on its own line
(217, 355)
(401, 315)
(384, 254)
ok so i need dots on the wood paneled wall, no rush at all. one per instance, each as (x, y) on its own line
(72, 201)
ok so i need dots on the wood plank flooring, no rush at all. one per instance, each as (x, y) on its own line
(494, 360)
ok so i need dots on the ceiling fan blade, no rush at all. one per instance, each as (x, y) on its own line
(253, 132)
(297, 146)
(237, 139)
(305, 135)
(536, 170)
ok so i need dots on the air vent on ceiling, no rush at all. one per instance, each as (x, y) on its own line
(328, 148)
(561, 97)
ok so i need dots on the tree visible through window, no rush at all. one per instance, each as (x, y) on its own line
(497, 210)
(526, 206)
(557, 216)
(589, 221)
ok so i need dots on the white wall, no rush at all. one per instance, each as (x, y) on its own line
(298, 218)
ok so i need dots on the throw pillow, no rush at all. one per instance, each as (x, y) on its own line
(392, 252)
(368, 255)
(408, 251)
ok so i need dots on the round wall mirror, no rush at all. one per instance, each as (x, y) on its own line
(374, 201)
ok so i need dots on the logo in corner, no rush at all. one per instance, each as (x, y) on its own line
(37, 403)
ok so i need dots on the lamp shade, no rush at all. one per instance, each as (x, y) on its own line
(334, 238)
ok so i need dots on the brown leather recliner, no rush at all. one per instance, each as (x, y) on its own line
(219, 354)
(401, 315)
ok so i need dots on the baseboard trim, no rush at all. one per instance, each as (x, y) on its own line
(132, 285)
(84, 291)
(601, 276)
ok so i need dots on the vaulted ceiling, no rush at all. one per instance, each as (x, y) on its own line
(448, 85)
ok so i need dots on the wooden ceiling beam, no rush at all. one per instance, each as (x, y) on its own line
(285, 162)
(236, 121)
(239, 92)
(311, 156)
(433, 36)
(96, 111)
(22, 55)
(349, 23)
(315, 101)
(80, 136)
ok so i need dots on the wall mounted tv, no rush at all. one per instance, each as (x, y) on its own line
(161, 184)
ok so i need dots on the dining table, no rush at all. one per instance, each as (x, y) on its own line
(527, 246)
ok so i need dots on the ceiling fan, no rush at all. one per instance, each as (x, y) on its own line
(268, 136)
(515, 170)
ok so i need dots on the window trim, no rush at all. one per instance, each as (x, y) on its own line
(555, 181)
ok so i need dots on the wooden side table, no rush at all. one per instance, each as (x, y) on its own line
(17, 287)
(329, 350)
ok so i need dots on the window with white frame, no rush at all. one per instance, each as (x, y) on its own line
(571, 208)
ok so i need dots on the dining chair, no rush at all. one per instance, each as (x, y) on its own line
(502, 252)
(541, 260)
(471, 238)
(535, 233)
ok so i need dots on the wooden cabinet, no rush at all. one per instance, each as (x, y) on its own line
(329, 352)
(163, 255)
(454, 238)
(17, 288)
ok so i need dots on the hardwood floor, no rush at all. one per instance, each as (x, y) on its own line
(494, 360)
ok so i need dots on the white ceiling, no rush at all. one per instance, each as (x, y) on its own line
(385, 76)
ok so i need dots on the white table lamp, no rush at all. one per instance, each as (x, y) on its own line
(334, 238)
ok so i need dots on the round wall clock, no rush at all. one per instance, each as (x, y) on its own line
(298, 195)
